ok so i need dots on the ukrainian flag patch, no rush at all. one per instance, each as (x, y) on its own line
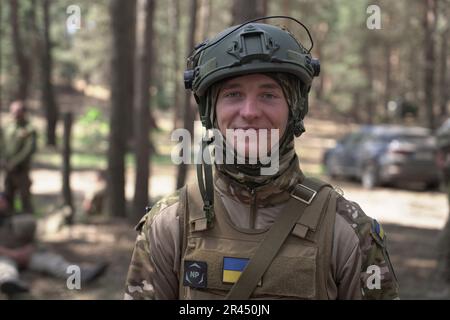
(232, 268)
(378, 229)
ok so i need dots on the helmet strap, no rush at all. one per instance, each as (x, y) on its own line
(205, 180)
(205, 110)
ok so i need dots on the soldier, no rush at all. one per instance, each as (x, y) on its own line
(19, 250)
(443, 162)
(443, 154)
(94, 200)
(19, 144)
(239, 233)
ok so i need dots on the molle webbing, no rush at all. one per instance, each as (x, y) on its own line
(315, 226)
(302, 197)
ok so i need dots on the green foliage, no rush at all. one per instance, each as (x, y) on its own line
(338, 28)
(92, 130)
(161, 100)
(92, 115)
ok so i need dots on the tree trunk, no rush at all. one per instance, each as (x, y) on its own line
(203, 20)
(143, 72)
(429, 25)
(1, 34)
(443, 78)
(174, 21)
(263, 7)
(413, 74)
(48, 98)
(388, 79)
(66, 169)
(321, 83)
(247, 10)
(286, 9)
(321, 31)
(444, 245)
(189, 110)
(33, 37)
(21, 59)
(129, 76)
(368, 70)
(356, 105)
(121, 64)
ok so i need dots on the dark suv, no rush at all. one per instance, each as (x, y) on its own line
(385, 154)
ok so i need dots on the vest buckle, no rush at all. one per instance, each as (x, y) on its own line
(208, 209)
(303, 193)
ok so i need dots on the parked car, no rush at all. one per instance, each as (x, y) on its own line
(385, 154)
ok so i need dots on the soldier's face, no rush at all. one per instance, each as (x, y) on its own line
(251, 103)
(18, 111)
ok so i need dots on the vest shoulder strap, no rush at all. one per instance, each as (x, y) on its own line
(183, 216)
(315, 194)
(197, 219)
(266, 251)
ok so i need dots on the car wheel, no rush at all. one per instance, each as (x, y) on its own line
(433, 186)
(369, 177)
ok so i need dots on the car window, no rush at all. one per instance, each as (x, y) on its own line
(345, 139)
(356, 138)
(415, 139)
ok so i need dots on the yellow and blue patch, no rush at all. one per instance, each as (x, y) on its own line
(378, 229)
(378, 233)
(232, 268)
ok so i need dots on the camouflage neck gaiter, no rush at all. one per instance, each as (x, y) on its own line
(249, 175)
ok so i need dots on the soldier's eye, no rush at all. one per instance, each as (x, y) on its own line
(268, 96)
(232, 94)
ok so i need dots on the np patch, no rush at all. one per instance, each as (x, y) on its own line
(232, 269)
(195, 274)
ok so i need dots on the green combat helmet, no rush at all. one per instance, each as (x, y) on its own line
(248, 48)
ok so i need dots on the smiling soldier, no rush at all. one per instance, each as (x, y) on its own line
(238, 233)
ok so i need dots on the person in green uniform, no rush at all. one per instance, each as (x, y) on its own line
(18, 147)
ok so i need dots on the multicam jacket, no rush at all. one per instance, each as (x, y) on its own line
(18, 145)
(360, 266)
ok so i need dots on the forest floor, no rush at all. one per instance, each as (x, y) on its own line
(412, 219)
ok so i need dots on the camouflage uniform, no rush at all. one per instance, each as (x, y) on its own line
(443, 159)
(18, 231)
(443, 162)
(356, 266)
(359, 244)
(19, 144)
(94, 202)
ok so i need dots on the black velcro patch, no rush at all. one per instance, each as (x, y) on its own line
(195, 274)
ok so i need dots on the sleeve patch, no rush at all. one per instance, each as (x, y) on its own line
(378, 232)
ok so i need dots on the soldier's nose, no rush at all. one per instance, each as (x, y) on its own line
(250, 110)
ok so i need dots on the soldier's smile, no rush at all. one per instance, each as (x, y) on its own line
(251, 106)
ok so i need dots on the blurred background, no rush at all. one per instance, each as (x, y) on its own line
(103, 83)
